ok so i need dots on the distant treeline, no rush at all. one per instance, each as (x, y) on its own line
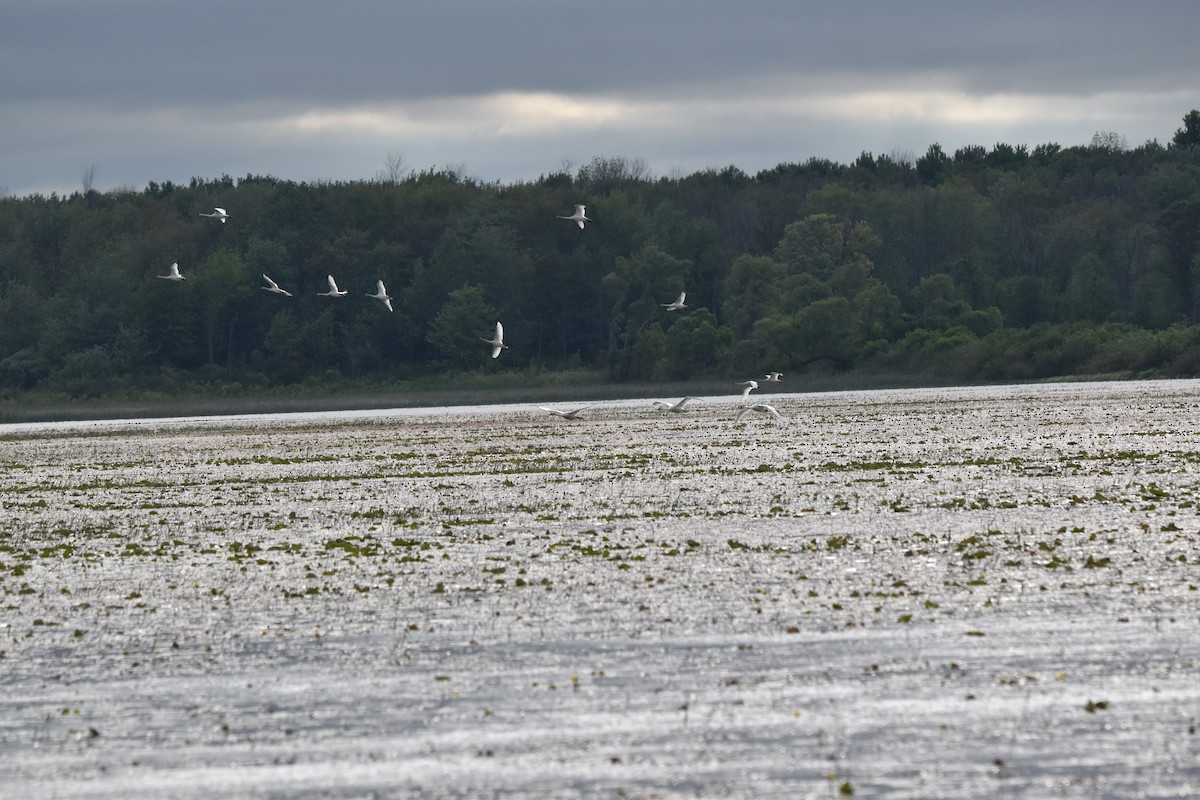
(1006, 263)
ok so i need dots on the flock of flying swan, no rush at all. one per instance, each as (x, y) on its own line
(579, 217)
(678, 407)
(497, 342)
(274, 288)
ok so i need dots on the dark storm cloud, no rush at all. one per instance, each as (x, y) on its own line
(222, 84)
(226, 51)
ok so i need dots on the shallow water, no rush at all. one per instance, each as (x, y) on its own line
(911, 593)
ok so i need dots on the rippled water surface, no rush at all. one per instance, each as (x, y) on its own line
(985, 592)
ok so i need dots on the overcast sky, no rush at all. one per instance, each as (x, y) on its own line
(508, 90)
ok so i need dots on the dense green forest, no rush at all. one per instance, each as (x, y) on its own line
(985, 264)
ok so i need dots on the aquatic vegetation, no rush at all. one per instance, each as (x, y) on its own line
(473, 582)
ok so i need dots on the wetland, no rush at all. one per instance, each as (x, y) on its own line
(954, 592)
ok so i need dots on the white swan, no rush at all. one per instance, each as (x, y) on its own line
(773, 377)
(382, 295)
(273, 287)
(173, 275)
(217, 213)
(750, 387)
(676, 407)
(761, 408)
(678, 304)
(566, 414)
(497, 343)
(333, 289)
(578, 217)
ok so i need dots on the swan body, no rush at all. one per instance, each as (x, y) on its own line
(566, 414)
(678, 304)
(217, 213)
(578, 217)
(334, 291)
(382, 295)
(676, 407)
(497, 342)
(273, 287)
(173, 275)
(761, 408)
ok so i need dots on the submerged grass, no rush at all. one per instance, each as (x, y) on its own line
(663, 557)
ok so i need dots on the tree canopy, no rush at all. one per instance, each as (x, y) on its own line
(991, 263)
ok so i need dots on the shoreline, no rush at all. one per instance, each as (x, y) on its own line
(20, 411)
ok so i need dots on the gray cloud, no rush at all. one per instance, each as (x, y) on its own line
(164, 90)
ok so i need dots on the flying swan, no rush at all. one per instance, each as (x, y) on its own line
(678, 304)
(333, 289)
(382, 295)
(497, 343)
(173, 275)
(273, 287)
(578, 217)
(676, 407)
(566, 414)
(761, 408)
